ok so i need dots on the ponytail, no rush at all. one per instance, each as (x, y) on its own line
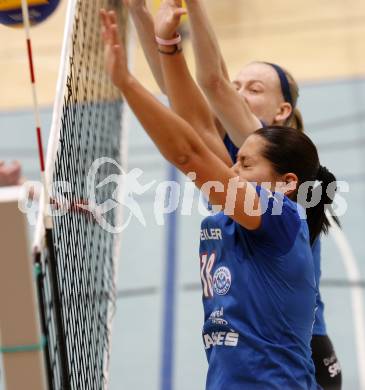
(296, 120)
(325, 192)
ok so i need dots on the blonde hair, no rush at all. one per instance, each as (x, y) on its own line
(295, 119)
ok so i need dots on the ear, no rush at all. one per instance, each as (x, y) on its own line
(283, 112)
(288, 184)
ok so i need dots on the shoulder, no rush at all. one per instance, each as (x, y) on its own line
(282, 220)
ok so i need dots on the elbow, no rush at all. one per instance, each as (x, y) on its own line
(181, 160)
(210, 82)
(185, 160)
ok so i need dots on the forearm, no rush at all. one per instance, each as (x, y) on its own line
(210, 66)
(189, 103)
(212, 75)
(173, 136)
(178, 143)
(233, 112)
(144, 24)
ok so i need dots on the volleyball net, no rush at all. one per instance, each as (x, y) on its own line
(76, 255)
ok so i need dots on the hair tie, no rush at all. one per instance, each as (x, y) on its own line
(322, 173)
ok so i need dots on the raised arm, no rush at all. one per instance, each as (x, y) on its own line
(232, 111)
(174, 137)
(185, 96)
(144, 24)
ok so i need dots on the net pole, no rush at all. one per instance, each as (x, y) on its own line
(44, 230)
(38, 128)
(40, 290)
(34, 91)
(66, 385)
(46, 215)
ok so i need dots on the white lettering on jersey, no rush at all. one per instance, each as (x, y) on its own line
(228, 339)
(206, 266)
(210, 234)
(231, 339)
(208, 341)
(216, 316)
(220, 338)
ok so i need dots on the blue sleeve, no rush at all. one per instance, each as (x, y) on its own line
(280, 223)
(231, 147)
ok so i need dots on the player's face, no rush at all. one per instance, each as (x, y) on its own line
(259, 85)
(252, 166)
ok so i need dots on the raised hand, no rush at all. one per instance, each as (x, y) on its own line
(168, 18)
(114, 52)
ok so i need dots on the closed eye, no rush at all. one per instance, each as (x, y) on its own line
(255, 87)
(245, 164)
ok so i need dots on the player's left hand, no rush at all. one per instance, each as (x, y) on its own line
(168, 18)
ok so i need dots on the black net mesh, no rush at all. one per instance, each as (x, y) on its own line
(77, 284)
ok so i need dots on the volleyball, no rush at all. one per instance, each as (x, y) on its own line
(39, 10)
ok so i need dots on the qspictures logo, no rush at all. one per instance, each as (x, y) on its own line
(165, 197)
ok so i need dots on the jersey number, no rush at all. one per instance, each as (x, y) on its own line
(206, 266)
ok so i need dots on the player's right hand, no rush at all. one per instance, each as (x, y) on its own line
(168, 18)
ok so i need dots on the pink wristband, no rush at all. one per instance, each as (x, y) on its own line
(169, 42)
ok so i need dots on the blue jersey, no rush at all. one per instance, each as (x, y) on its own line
(231, 148)
(259, 299)
(319, 327)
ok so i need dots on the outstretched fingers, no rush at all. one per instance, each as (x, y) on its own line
(105, 26)
(114, 53)
(110, 30)
(117, 45)
(115, 36)
(112, 17)
(179, 12)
